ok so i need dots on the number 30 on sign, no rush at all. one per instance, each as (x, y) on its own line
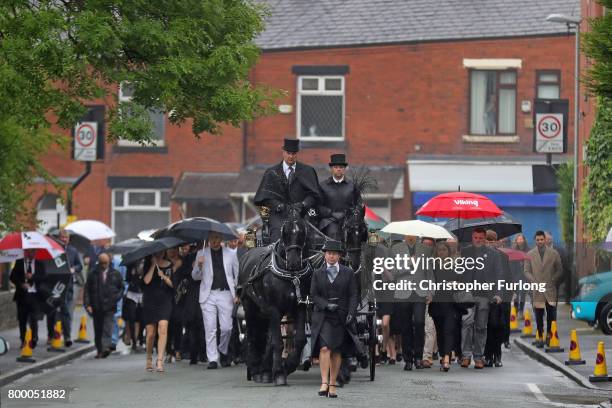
(549, 133)
(85, 141)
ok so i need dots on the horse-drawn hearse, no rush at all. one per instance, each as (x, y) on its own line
(274, 285)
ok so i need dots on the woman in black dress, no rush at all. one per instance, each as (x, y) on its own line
(157, 298)
(442, 309)
(181, 270)
(334, 293)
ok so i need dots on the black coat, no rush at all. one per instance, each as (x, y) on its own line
(275, 189)
(336, 199)
(103, 297)
(344, 288)
(490, 273)
(18, 278)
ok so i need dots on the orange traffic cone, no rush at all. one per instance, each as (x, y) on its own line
(527, 327)
(574, 353)
(600, 373)
(538, 342)
(26, 350)
(56, 341)
(82, 338)
(553, 345)
(514, 327)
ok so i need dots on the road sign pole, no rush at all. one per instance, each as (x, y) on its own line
(76, 184)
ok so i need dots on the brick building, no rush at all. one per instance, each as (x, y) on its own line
(428, 98)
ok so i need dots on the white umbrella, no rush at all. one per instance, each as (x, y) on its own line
(91, 229)
(417, 228)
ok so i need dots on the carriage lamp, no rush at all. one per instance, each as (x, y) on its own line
(250, 238)
(264, 212)
(373, 238)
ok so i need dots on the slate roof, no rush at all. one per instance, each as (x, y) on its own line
(328, 23)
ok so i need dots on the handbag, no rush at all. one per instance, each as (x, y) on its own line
(463, 299)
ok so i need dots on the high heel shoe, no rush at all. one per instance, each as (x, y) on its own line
(445, 365)
(160, 365)
(324, 393)
(330, 394)
(149, 366)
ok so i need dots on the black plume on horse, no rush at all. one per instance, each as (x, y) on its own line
(274, 280)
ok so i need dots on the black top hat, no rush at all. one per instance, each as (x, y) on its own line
(332, 245)
(291, 145)
(338, 160)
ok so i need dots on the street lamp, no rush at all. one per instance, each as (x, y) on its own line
(573, 22)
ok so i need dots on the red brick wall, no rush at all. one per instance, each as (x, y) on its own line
(401, 95)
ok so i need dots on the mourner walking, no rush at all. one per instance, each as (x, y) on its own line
(103, 290)
(334, 293)
(287, 183)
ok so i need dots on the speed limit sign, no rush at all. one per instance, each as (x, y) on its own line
(549, 133)
(85, 141)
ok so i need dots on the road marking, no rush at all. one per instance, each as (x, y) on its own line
(539, 395)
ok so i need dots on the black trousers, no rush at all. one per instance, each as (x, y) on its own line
(27, 314)
(103, 329)
(446, 329)
(197, 343)
(175, 335)
(412, 323)
(495, 339)
(551, 314)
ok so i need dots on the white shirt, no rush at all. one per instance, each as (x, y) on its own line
(338, 181)
(32, 288)
(334, 265)
(286, 168)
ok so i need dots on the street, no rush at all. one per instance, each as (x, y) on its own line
(121, 381)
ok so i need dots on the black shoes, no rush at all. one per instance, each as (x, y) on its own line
(391, 361)
(105, 353)
(225, 360)
(68, 343)
(212, 365)
(408, 366)
(418, 364)
(193, 362)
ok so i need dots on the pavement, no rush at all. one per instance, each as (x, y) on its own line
(588, 337)
(11, 369)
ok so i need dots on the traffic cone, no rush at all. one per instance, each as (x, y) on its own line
(26, 350)
(514, 327)
(600, 373)
(538, 342)
(553, 345)
(527, 326)
(56, 341)
(574, 353)
(82, 338)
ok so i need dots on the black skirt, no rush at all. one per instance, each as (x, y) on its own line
(331, 337)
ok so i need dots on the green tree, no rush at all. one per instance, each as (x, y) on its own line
(189, 58)
(565, 178)
(597, 198)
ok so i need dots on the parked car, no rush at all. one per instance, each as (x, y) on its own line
(594, 301)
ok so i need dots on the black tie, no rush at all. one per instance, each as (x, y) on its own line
(291, 173)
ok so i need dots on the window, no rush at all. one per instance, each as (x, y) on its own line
(320, 107)
(492, 102)
(50, 213)
(126, 92)
(548, 84)
(137, 210)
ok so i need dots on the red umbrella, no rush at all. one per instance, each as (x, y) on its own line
(514, 254)
(13, 245)
(460, 204)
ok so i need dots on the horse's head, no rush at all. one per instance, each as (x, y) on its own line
(355, 233)
(293, 239)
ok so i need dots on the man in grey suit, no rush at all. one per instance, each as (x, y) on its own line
(411, 303)
(217, 269)
(474, 322)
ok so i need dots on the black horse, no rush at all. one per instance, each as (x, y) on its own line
(275, 281)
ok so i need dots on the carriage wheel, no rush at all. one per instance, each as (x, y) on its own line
(372, 346)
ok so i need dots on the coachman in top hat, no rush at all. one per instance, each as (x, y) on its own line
(338, 196)
(288, 183)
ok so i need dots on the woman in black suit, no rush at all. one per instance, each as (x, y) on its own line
(334, 292)
(442, 309)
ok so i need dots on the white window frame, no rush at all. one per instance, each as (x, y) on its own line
(126, 207)
(320, 91)
(123, 142)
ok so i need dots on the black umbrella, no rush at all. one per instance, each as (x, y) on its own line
(504, 225)
(150, 248)
(196, 229)
(53, 287)
(79, 242)
(123, 247)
